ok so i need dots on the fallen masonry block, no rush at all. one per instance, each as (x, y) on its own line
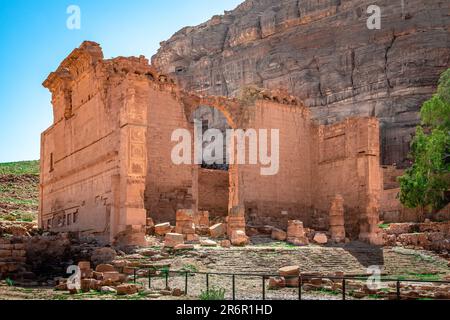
(208, 243)
(126, 289)
(193, 238)
(173, 239)
(84, 265)
(321, 238)
(296, 233)
(217, 230)
(225, 243)
(113, 276)
(181, 247)
(276, 283)
(185, 222)
(289, 271)
(239, 238)
(162, 229)
(279, 235)
(105, 268)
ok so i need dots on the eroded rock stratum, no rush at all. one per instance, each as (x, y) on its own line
(322, 52)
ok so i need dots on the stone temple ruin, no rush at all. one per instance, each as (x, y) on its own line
(106, 168)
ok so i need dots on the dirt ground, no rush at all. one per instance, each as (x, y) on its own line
(19, 191)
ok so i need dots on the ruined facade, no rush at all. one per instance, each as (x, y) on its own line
(106, 161)
(322, 52)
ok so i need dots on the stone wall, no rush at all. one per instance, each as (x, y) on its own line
(266, 197)
(346, 162)
(12, 256)
(169, 187)
(213, 192)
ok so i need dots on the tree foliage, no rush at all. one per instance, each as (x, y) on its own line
(424, 184)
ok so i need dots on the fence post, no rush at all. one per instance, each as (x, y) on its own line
(343, 288)
(186, 284)
(149, 280)
(134, 275)
(167, 279)
(207, 282)
(300, 285)
(398, 289)
(264, 287)
(234, 287)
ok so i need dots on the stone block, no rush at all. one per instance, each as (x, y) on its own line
(278, 234)
(162, 229)
(239, 238)
(321, 238)
(105, 268)
(225, 243)
(217, 230)
(173, 239)
(208, 243)
(276, 283)
(113, 276)
(289, 271)
(182, 247)
(126, 289)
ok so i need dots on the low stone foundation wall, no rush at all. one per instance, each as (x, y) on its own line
(434, 236)
(12, 256)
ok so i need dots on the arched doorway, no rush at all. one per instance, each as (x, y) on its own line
(213, 174)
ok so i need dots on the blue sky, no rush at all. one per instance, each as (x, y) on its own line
(34, 40)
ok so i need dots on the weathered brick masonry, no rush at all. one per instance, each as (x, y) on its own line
(106, 160)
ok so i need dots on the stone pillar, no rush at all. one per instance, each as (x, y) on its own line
(185, 222)
(130, 223)
(369, 221)
(370, 180)
(201, 219)
(296, 233)
(236, 220)
(337, 219)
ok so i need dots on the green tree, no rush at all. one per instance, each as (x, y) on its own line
(424, 184)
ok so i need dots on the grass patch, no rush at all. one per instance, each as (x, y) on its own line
(426, 276)
(9, 282)
(416, 276)
(217, 294)
(20, 168)
(328, 291)
(189, 268)
(21, 202)
(384, 226)
(19, 216)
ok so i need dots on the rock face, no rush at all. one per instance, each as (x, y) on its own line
(322, 52)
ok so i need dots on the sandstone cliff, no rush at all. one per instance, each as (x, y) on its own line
(322, 52)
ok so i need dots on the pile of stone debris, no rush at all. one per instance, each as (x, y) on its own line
(433, 236)
(115, 278)
(194, 228)
(289, 277)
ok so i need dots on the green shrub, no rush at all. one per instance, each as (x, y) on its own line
(213, 294)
